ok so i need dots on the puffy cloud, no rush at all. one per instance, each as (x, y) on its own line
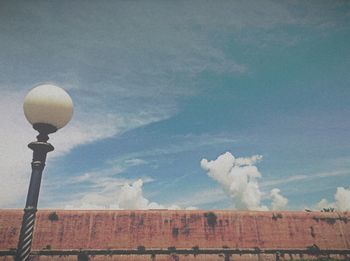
(342, 199)
(324, 204)
(341, 203)
(238, 177)
(131, 197)
(278, 201)
(128, 196)
(239, 180)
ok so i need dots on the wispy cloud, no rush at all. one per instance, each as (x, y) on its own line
(304, 177)
(15, 157)
(202, 197)
(181, 144)
(101, 181)
(17, 133)
(106, 189)
(113, 167)
(143, 51)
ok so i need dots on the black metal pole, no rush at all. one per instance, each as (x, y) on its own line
(40, 149)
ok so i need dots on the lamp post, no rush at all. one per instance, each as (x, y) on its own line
(48, 108)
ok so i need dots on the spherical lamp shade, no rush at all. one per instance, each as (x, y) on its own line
(48, 104)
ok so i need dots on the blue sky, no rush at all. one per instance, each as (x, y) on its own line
(160, 85)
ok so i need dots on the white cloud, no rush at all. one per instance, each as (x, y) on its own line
(90, 127)
(15, 157)
(107, 189)
(146, 55)
(239, 180)
(104, 177)
(238, 177)
(342, 199)
(324, 204)
(16, 133)
(126, 196)
(185, 143)
(341, 203)
(278, 201)
(304, 177)
(131, 197)
(206, 196)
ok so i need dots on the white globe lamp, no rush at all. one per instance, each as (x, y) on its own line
(48, 108)
(48, 104)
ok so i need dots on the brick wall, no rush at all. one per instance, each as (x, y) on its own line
(171, 231)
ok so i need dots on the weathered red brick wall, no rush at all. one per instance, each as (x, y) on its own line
(161, 229)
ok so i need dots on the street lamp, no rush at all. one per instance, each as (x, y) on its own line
(48, 108)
